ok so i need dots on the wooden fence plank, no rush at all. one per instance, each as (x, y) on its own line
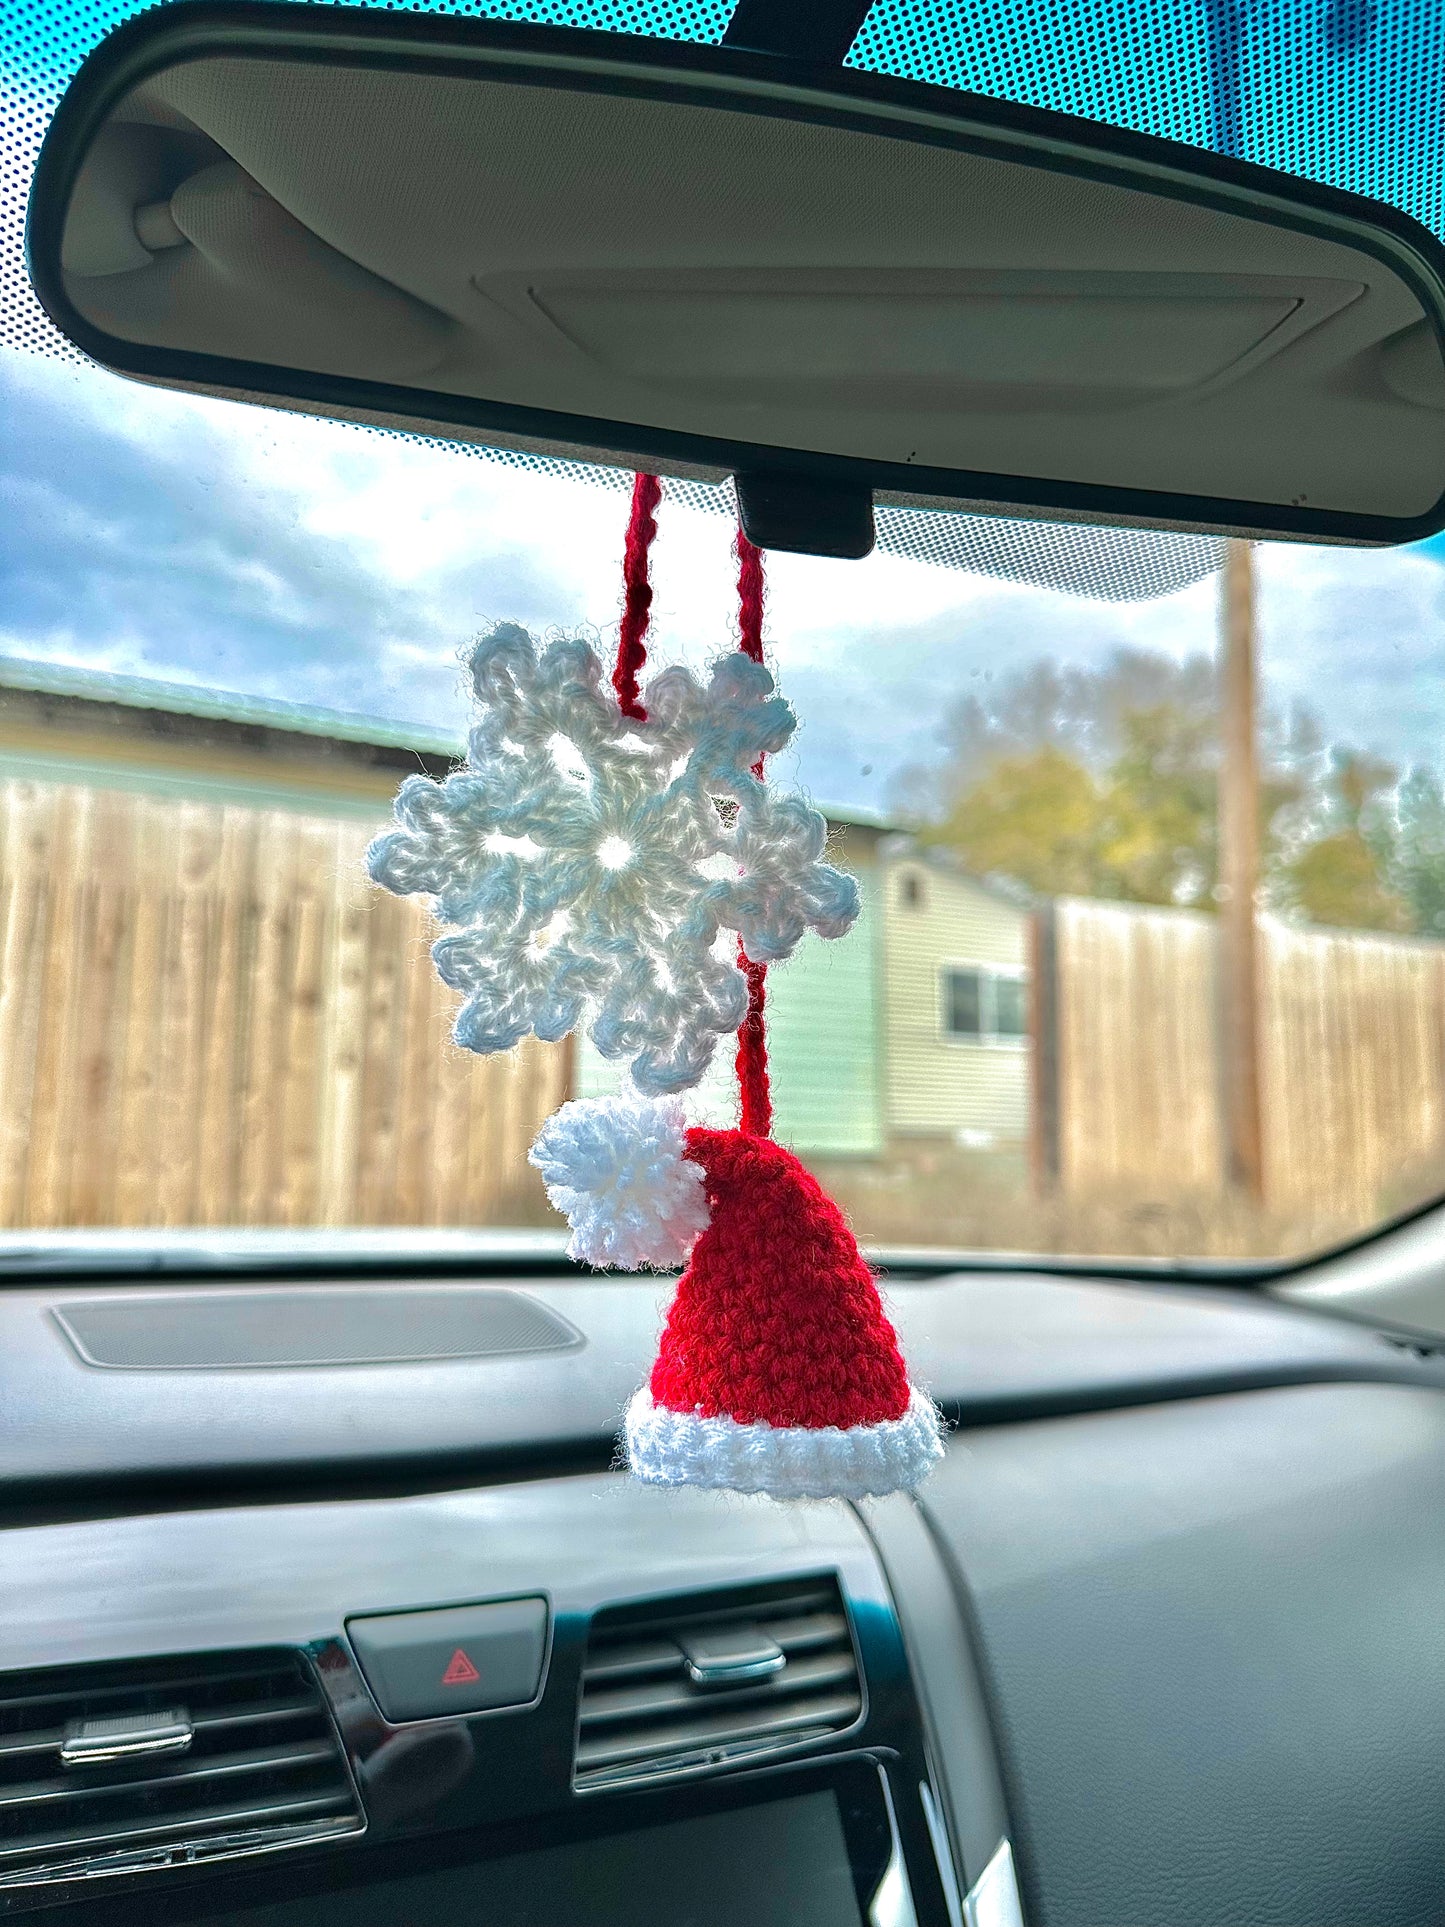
(30, 837)
(424, 1021)
(345, 1038)
(1353, 1064)
(389, 930)
(142, 1069)
(98, 1041)
(55, 1117)
(1137, 1087)
(298, 1071)
(186, 994)
(217, 1143)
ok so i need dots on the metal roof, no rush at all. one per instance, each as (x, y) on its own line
(147, 694)
(221, 705)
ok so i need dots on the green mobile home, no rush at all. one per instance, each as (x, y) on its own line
(954, 994)
(824, 1028)
(911, 1029)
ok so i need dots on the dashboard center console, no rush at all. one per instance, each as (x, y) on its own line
(607, 1705)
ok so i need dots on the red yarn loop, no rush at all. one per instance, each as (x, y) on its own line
(636, 594)
(756, 1103)
(750, 597)
(756, 1117)
(754, 1092)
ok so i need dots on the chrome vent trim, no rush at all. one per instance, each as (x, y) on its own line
(643, 1714)
(263, 1767)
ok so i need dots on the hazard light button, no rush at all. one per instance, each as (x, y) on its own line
(453, 1659)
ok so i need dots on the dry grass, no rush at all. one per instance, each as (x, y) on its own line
(975, 1204)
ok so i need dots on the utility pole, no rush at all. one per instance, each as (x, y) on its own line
(1239, 877)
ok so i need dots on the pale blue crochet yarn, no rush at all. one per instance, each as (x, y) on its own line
(588, 868)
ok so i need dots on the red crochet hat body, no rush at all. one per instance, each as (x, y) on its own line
(778, 1370)
(777, 1320)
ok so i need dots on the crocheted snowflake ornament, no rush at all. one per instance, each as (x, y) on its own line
(590, 860)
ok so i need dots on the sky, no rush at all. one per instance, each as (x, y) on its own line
(244, 549)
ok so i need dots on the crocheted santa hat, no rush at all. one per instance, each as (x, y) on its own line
(778, 1370)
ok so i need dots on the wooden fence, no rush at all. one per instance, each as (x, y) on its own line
(1352, 1066)
(1136, 1075)
(209, 1016)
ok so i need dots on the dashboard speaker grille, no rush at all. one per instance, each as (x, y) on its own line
(646, 1713)
(166, 1761)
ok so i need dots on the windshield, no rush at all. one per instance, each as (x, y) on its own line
(228, 634)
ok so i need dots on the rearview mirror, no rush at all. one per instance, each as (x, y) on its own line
(833, 286)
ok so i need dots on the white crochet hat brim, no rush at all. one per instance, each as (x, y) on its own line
(786, 1461)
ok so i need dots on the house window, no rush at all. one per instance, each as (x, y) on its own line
(910, 890)
(984, 1006)
(963, 1003)
(1010, 1007)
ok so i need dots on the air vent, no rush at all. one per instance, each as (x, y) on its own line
(700, 1682)
(163, 1762)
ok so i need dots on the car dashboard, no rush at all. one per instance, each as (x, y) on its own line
(327, 1603)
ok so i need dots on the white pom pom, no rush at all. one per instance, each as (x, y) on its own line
(616, 1170)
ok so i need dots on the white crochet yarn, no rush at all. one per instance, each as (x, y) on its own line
(615, 1168)
(785, 1461)
(588, 865)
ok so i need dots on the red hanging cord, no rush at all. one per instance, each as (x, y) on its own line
(750, 598)
(752, 1054)
(752, 1059)
(637, 594)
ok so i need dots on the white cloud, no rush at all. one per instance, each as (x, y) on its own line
(406, 549)
(1359, 635)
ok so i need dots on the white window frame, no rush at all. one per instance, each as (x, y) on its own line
(990, 975)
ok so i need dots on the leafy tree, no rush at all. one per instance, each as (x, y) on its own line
(1343, 873)
(1159, 795)
(1336, 880)
(1035, 818)
(1081, 781)
(1078, 709)
(1419, 865)
(1103, 782)
(1140, 831)
(1078, 790)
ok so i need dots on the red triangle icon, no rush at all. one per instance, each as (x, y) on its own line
(460, 1671)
